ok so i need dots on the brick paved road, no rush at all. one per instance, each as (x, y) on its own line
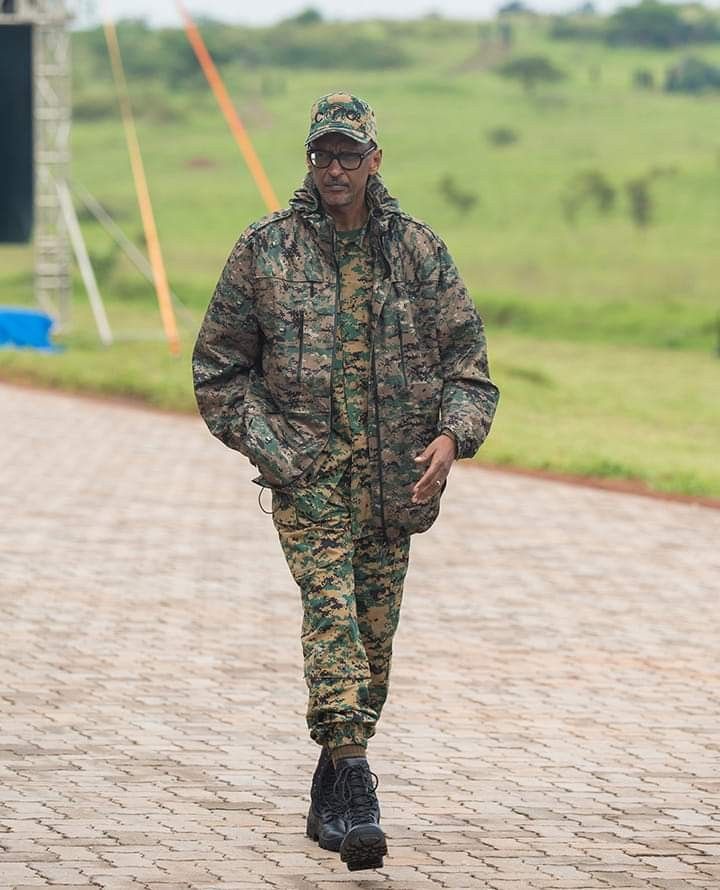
(554, 718)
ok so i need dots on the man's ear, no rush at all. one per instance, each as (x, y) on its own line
(375, 162)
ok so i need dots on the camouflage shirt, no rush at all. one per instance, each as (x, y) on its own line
(263, 360)
(347, 448)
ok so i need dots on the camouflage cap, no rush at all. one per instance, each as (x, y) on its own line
(342, 113)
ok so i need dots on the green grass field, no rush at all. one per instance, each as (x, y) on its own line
(603, 336)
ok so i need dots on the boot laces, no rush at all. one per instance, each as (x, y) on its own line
(355, 788)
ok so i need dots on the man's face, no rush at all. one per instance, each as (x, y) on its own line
(338, 187)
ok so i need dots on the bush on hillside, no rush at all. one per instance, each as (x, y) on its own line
(501, 136)
(166, 53)
(515, 7)
(146, 53)
(329, 46)
(589, 187)
(692, 75)
(650, 23)
(429, 27)
(309, 16)
(660, 25)
(576, 27)
(462, 201)
(593, 188)
(640, 201)
(643, 79)
(531, 71)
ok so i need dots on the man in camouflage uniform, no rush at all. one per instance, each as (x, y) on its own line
(343, 356)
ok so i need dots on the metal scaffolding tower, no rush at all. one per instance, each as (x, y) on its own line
(51, 120)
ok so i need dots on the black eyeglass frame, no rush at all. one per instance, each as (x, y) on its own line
(337, 157)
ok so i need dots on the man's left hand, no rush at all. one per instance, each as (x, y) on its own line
(440, 454)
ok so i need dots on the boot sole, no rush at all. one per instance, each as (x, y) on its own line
(363, 847)
(311, 831)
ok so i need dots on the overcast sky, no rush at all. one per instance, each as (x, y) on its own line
(268, 11)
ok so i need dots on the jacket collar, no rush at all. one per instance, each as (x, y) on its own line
(306, 201)
(383, 209)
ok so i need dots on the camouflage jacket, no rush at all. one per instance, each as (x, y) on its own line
(263, 358)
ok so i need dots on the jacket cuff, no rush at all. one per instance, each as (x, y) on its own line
(446, 431)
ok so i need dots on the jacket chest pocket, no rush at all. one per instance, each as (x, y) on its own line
(296, 318)
(411, 332)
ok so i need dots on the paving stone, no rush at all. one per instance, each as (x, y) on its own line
(19, 873)
(552, 721)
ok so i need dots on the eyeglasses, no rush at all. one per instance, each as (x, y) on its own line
(348, 160)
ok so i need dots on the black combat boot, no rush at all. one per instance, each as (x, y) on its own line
(325, 823)
(364, 844)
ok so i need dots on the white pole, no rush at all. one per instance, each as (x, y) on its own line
(121, 239)
(83, 261)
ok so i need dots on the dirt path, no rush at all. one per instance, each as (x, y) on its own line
(554, 716)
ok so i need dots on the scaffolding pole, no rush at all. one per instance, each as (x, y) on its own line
(51, 118)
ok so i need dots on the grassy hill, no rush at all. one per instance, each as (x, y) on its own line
(602, 331)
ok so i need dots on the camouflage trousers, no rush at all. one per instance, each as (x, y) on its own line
(351, 593)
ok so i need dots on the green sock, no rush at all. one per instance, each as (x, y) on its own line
(347, 751)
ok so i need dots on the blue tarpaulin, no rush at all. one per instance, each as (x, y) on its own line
(26, 328)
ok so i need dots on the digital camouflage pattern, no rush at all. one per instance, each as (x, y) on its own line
(351, 595)
(351, 585)
(342, 113)
(350, 383)
(264, 355)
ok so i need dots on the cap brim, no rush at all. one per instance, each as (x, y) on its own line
(357, 135)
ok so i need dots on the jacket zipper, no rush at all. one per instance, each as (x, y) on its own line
(381, 481)
(335, 324)
(402, 351)
(376, 398)
(301, 334)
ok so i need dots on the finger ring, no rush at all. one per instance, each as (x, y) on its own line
(438, 482)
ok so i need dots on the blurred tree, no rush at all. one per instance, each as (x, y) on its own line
(308, 16)
(692, 75)
(577, 26)
(165, 52)
(588, 187)
(641, 205)
(661, 25)
(643, 79)
(462, 201)
(502, 136)
(515, 7)
(531, 71)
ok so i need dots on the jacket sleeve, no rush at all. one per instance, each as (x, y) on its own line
(469, 396)
(228, 347)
